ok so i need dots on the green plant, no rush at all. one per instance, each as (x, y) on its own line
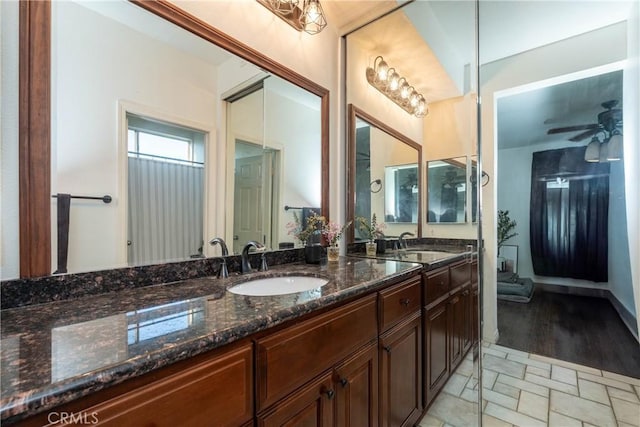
(505, 227)
(315, 224)
(371, 230)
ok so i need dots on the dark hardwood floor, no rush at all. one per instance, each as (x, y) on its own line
(578, 329)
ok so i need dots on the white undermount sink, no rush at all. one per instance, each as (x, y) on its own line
(278, 285)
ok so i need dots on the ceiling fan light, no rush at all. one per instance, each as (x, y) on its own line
(592, 153)
(604, 150)
(614, 149)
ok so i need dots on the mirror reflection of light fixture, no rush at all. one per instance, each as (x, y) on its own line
(607, 149)
(396, 88)
(614, 149)
(592, 153)
(308, 17)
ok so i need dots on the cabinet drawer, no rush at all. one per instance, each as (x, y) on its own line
(216, 392)
(398, 302)
(436, 284)
(289, 358)
(460, 274)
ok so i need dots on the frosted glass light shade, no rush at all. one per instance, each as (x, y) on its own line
(614, 149)
(592, 153)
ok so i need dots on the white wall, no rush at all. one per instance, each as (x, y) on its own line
(9, 204)
(96, 64)
(596, 48)
(514, 192)
(631, 105)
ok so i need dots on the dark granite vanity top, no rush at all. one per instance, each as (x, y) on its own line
(55, 352)
(431, 257)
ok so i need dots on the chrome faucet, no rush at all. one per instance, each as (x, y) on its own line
(401, 242)
(222, 244)
(224, 271)
(246, 265)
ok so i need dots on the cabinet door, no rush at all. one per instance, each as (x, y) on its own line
(313, 405)
(356, 382)
(436, 349)
(217, 392)
(401, 373)
(467, 323)
(456, 329)
(289, 358)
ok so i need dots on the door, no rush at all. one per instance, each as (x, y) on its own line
(248, 213)
(356, 382)
(456, 313)
(401, 374)
(313, 405)
(436, 349)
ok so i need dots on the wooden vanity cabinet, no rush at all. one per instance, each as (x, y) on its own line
(401, 354)
(326, 365)
(187, 394)
(448, 323)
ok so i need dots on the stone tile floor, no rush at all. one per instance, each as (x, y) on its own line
(527, 390)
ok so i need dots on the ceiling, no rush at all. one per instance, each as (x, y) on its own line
(434, 46)
(525, 118)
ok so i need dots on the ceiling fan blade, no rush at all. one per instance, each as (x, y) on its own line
(584, 135)
(572, 128)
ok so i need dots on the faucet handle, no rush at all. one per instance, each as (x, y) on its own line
(223, 272)
(263, 262)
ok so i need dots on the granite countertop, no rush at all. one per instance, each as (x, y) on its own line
(55, 352)
(430, 256)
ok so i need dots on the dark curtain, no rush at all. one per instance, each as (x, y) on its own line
(569, 215)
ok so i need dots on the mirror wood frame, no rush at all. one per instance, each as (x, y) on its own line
(34, 139)
(355, 113)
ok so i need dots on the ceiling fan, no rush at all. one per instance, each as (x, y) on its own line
(608, 120)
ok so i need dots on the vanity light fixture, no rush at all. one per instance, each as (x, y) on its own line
(303, 15)
(396, 88)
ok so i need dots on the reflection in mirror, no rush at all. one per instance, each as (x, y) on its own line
(384, 167)
(163, 108)
(276, 162)
(447, 190)
(401, 193)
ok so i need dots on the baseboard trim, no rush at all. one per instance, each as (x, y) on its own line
(627, 318)
(625, 315)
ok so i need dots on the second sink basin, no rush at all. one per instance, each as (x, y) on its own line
(278, 285)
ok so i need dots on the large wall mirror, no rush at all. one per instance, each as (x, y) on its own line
(184, 132)
(384, 175)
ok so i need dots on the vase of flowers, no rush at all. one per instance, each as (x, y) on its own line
(317, 225)
(313, 250)
(332, 233)
(371, 231)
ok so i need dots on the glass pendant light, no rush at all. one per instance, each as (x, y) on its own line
(592, 153)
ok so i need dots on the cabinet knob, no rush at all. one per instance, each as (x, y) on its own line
(405, 301)
(330, 393)
(387, 349)
(344, 382)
